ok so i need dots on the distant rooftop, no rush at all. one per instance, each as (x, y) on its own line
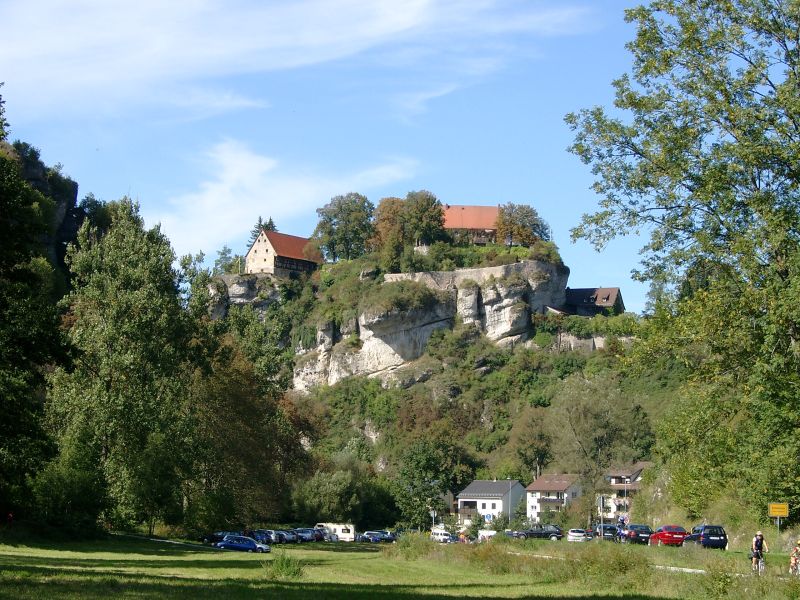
(552, 483)
(458, 216)
(487, 488)
(290, 246)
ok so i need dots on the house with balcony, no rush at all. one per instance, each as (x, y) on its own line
(550, 493)
(486, 499)
(623, 484)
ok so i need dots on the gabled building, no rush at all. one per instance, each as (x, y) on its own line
(588, 302)
(278, 254)
(478, 223)
(486, 499)
(624, 483)
(550, 493)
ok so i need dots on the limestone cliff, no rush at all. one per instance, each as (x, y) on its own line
(498, 300)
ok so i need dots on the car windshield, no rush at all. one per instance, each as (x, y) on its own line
(674, 529)
(714, 531)
(639, 527)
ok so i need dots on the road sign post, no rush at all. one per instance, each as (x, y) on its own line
(778, 510)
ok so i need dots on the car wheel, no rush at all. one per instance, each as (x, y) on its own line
(250, 550)
(522, 536)
(259, 550)
(553, 538)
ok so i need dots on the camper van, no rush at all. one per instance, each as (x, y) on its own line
(338, 532)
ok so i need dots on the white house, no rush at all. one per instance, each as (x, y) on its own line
(551, 493)
(486, 499)
(278, 254)
(624, 484)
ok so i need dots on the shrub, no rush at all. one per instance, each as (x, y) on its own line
(283, 566)
(411, 546)
(399, 296)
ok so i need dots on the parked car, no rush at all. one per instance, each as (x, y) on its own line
(276, 536)
(370, 536)
(262, 536)
(304, 534)
(578, 535)
(542, 532)
(242, 543)
(216, 536)
(668, 535)
(388, 536)
(637, 534)
(708, 536)
(607, 531)
(289, 536)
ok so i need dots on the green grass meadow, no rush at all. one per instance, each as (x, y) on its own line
(127, 567)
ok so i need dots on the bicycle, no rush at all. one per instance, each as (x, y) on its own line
(760, 566)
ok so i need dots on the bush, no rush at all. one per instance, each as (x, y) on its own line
(399, 296)
(411, 546)
(283, 566)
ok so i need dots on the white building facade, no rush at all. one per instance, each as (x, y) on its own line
(485, 500)
(550, 493)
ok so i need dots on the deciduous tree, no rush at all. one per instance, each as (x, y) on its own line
(345, 226)
(701, 153)
(520, 224)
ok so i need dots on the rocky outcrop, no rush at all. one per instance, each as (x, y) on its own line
(259, 290)
(386, 341)
(497, 300)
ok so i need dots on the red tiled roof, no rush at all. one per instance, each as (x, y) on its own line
(552, 483)
(470, 217)
(290, 246)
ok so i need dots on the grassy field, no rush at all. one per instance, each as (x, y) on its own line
(124, 567)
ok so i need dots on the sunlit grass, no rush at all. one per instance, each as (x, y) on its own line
(120, 567)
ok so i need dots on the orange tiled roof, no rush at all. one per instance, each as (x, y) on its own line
(470, 217)
(290, 246)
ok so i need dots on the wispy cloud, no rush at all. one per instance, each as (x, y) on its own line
(246, 184)
(66, 56)
(411, 104)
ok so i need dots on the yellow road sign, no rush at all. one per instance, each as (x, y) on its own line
(778, 509)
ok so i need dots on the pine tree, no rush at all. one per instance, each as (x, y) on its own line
(256, 231)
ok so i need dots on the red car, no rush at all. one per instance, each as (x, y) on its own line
(671, 535)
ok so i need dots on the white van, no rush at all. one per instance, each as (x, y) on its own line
(338, 532)
(441, 536)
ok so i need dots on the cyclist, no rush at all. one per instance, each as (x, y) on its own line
(758, 547)
(794, 558)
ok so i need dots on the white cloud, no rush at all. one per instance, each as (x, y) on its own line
(245, 185)
(60, 56)
(415, 103)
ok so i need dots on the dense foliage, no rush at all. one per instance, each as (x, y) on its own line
(704, 157)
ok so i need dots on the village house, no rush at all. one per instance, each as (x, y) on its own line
(588, 302)
(624, 484)
(278, 254)
(550, 493)
(485, 500)
(477, 223)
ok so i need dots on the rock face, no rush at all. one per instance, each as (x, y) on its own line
(498, 300)
(259, 290)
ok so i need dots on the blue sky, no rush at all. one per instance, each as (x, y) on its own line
(212, 113)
